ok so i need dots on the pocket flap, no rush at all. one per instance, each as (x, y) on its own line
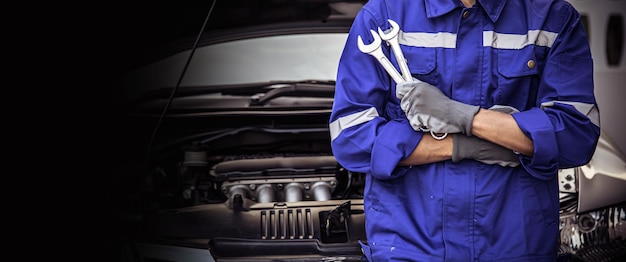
(421, 60)
(517, 62)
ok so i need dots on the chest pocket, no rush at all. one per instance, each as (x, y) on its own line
(518, 72)
(422, 63)
(517, 63)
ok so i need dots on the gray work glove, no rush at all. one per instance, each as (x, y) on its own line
(464, 147)
(482, 150)
(427, 108)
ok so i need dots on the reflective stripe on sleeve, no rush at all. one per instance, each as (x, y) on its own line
(351, 120)
(589, 110)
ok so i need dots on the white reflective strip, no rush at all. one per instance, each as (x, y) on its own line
(490, 38)
(512, 41)
(441, 39)
(504, 109)
(589, 110)
(351, 120)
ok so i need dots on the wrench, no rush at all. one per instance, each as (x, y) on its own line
(376, 51)
(392, 38)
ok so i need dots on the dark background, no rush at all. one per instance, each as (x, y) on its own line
(79, 50)
(90, 45)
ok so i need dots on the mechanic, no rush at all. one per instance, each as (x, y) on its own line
(510, 82)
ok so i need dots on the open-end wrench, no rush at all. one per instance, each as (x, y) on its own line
(376, 51)
(392, 38)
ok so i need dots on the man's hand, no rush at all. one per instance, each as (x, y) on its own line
(427, 107)
(471, 147)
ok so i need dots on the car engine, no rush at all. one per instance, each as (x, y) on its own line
(270, 191)
(243, 190)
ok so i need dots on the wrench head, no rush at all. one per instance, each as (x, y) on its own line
(395, 29)
(369, 47)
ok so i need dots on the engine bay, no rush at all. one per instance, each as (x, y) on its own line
(272, 191)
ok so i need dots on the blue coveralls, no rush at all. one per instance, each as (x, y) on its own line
(532, 55)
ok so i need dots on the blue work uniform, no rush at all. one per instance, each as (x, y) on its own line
(532, 55)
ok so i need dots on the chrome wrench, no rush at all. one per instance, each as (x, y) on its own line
(392, 38)
(376, 51)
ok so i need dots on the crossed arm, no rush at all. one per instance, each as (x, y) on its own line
(497, 127)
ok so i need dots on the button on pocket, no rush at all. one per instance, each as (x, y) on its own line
(517, 62)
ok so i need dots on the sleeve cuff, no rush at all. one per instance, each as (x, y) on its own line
(537, 126)
(395, 142)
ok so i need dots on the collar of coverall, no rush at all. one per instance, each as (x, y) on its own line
(435, 8)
